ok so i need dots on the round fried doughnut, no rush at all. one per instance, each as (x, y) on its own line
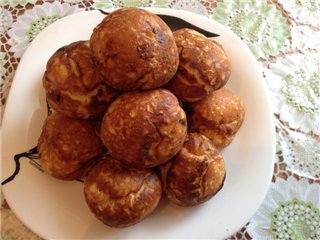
(144, 128)
(73, 86)
(134, 49)
(218, 116)
(203, 66)
(67, 146)
(195, 174)
(120, 196)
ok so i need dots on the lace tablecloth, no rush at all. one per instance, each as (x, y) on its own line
(284, 35)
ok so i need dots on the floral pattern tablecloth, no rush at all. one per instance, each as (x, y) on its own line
(284, 36)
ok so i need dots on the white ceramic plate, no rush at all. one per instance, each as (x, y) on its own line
(56, 209)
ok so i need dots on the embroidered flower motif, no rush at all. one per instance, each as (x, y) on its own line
(305, 11)
(33, 21)
(294, 82)
(301, 153)
(102, 4)
(192, 6)
(289, 211)
(162, 3)
(295, 220)
(301, 89)
(14, 3)
(259, 24)
(5, 20)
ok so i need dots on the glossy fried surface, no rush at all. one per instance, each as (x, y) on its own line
(120, 196)
(134, 49)
(219, 117)
(195, 174)
(68, 146)
(73, 85)
(144, 128)
(203, 66)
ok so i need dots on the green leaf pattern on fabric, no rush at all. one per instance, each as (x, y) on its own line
(295, 220)
(302, 90)
(15, 3)
(102, 4)
(259, 24)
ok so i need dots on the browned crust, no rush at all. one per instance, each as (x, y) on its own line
(120, 196)
(196, 173)
(144, 129)
(134, 49)
(203, 66)
(67, 146)
(73, 85)
(219, 117)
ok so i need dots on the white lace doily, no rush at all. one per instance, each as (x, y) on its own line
(300, 152)
(192, 6)
(289, 211)
(305, 38)
(5, 20)
(259, 24)
(303, 11)
(283, 34)
(28, 25)
(294, 82)
(15, 3)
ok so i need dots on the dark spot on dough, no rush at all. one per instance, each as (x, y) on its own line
(100, 92)
(54, 96)
(183, 121)
(144, 52)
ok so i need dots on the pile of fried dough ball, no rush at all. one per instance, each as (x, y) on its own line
(139, 111)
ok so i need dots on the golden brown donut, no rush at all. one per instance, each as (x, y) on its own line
(67, 146)
(203, 66)
(134, 49)
(195, 174)
(120, 196)
(73, 86)
(144, 128)
(219, 116)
